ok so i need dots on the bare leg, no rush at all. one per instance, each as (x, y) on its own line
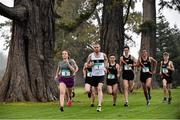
(115, 90)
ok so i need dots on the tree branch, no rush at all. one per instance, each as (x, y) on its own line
(127, 12)
(82, 17)
(98, 18)
(18, 13)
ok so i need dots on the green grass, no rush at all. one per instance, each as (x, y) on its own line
(81, 110)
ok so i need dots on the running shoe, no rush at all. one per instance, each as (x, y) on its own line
(92, 105)
(61, 109)
(164, 100)
(126, 104)
(69, 103)
(99, 109)
(169, 100)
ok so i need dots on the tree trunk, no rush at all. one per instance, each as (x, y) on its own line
(29, 72)
(148, 40)
(112, 29)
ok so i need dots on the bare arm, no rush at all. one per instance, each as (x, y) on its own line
(84, 70)
(57, 72)
(154, 64)
(73, 67)
(171, 66)
(105, 60)
(120, 64)
(160, 68)
(118, 70)
(89, 63)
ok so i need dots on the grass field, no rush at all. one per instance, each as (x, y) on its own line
(80, 110)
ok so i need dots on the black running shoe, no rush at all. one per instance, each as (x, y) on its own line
(114, 104)
(164, 100)
(169, 100)
(73, 94)
(131, 91)
(149, 96)
(89, 94)
(148, 103)
(126, 104)
(92, 105)
(61, 109)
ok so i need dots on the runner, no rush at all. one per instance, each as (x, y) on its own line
(127, 63)
(65, 73)
(145, 62)
(112, 77)
(166, 70)
(87, 73)
(98, 60)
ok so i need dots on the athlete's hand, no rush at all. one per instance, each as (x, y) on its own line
(105, 70)
(91, 64)
(118, 75)
(154, 72)
(130, 65)
(56, 77)
(169, 68)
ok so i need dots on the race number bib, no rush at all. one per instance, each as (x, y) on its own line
(164, 70)
(89, 74)
(98, 66)
(111, 76)
(127, 67)
(65, 73)
(145, 69)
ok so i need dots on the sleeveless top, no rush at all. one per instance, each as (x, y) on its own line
(165, 69)
(98, 67)
(128, 60)
(64, 69)
(147, 65)
(112, 72)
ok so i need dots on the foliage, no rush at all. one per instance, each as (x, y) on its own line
(168, 40)
(172, 4)
(5, 33)
(147, 26)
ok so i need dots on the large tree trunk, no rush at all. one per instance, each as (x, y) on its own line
(112, 29)
(29, 72)
(148, 40)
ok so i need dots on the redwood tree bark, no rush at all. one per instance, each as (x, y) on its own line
(29, 72)
(112, 29)
(148, 39)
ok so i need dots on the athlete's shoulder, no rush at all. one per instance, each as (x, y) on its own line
(170, 62)
(90, 55)
(72, 61)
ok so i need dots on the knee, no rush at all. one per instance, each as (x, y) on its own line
(99, 89)
(148, 85)
(125, 87)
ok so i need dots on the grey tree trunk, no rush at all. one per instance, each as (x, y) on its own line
(29, 72)
(148, 40)
(112, 29)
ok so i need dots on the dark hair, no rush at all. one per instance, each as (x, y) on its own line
(112, 54)
(165, 54)
(144, 49)
(126, 47)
